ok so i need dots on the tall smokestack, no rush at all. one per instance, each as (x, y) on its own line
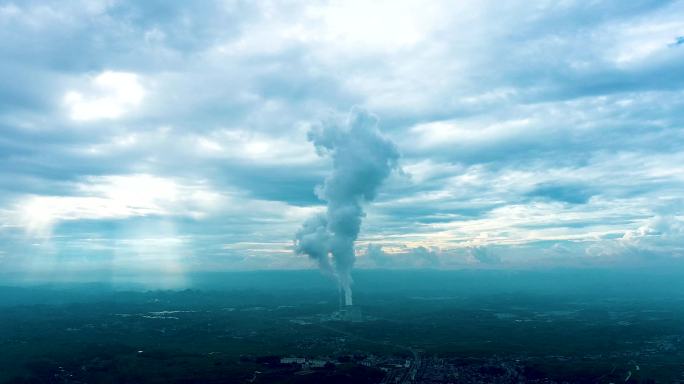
(362, 160)
(347, 296)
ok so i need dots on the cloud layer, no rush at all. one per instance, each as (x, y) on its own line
(531, 133)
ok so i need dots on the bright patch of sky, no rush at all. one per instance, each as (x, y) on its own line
(112, 94)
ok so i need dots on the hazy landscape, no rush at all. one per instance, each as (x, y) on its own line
(563, 326)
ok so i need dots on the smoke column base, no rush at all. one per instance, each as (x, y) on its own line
(347, 296)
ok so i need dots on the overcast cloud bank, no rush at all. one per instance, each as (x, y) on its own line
(173, 137)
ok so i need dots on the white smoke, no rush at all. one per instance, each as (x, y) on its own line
(362, 159)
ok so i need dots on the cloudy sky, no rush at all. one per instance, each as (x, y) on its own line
(172, 136)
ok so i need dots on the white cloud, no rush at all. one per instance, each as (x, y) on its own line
(659, 235)
(443, 133)
(109, 95)
(637, 43)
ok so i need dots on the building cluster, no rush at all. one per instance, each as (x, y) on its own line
(305, 363)
(428, 370)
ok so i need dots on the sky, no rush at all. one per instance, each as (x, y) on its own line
(167, 137)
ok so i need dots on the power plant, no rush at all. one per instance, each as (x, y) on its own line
(362, 158)
(347, 311)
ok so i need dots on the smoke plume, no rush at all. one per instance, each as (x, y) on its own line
(362, 159)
